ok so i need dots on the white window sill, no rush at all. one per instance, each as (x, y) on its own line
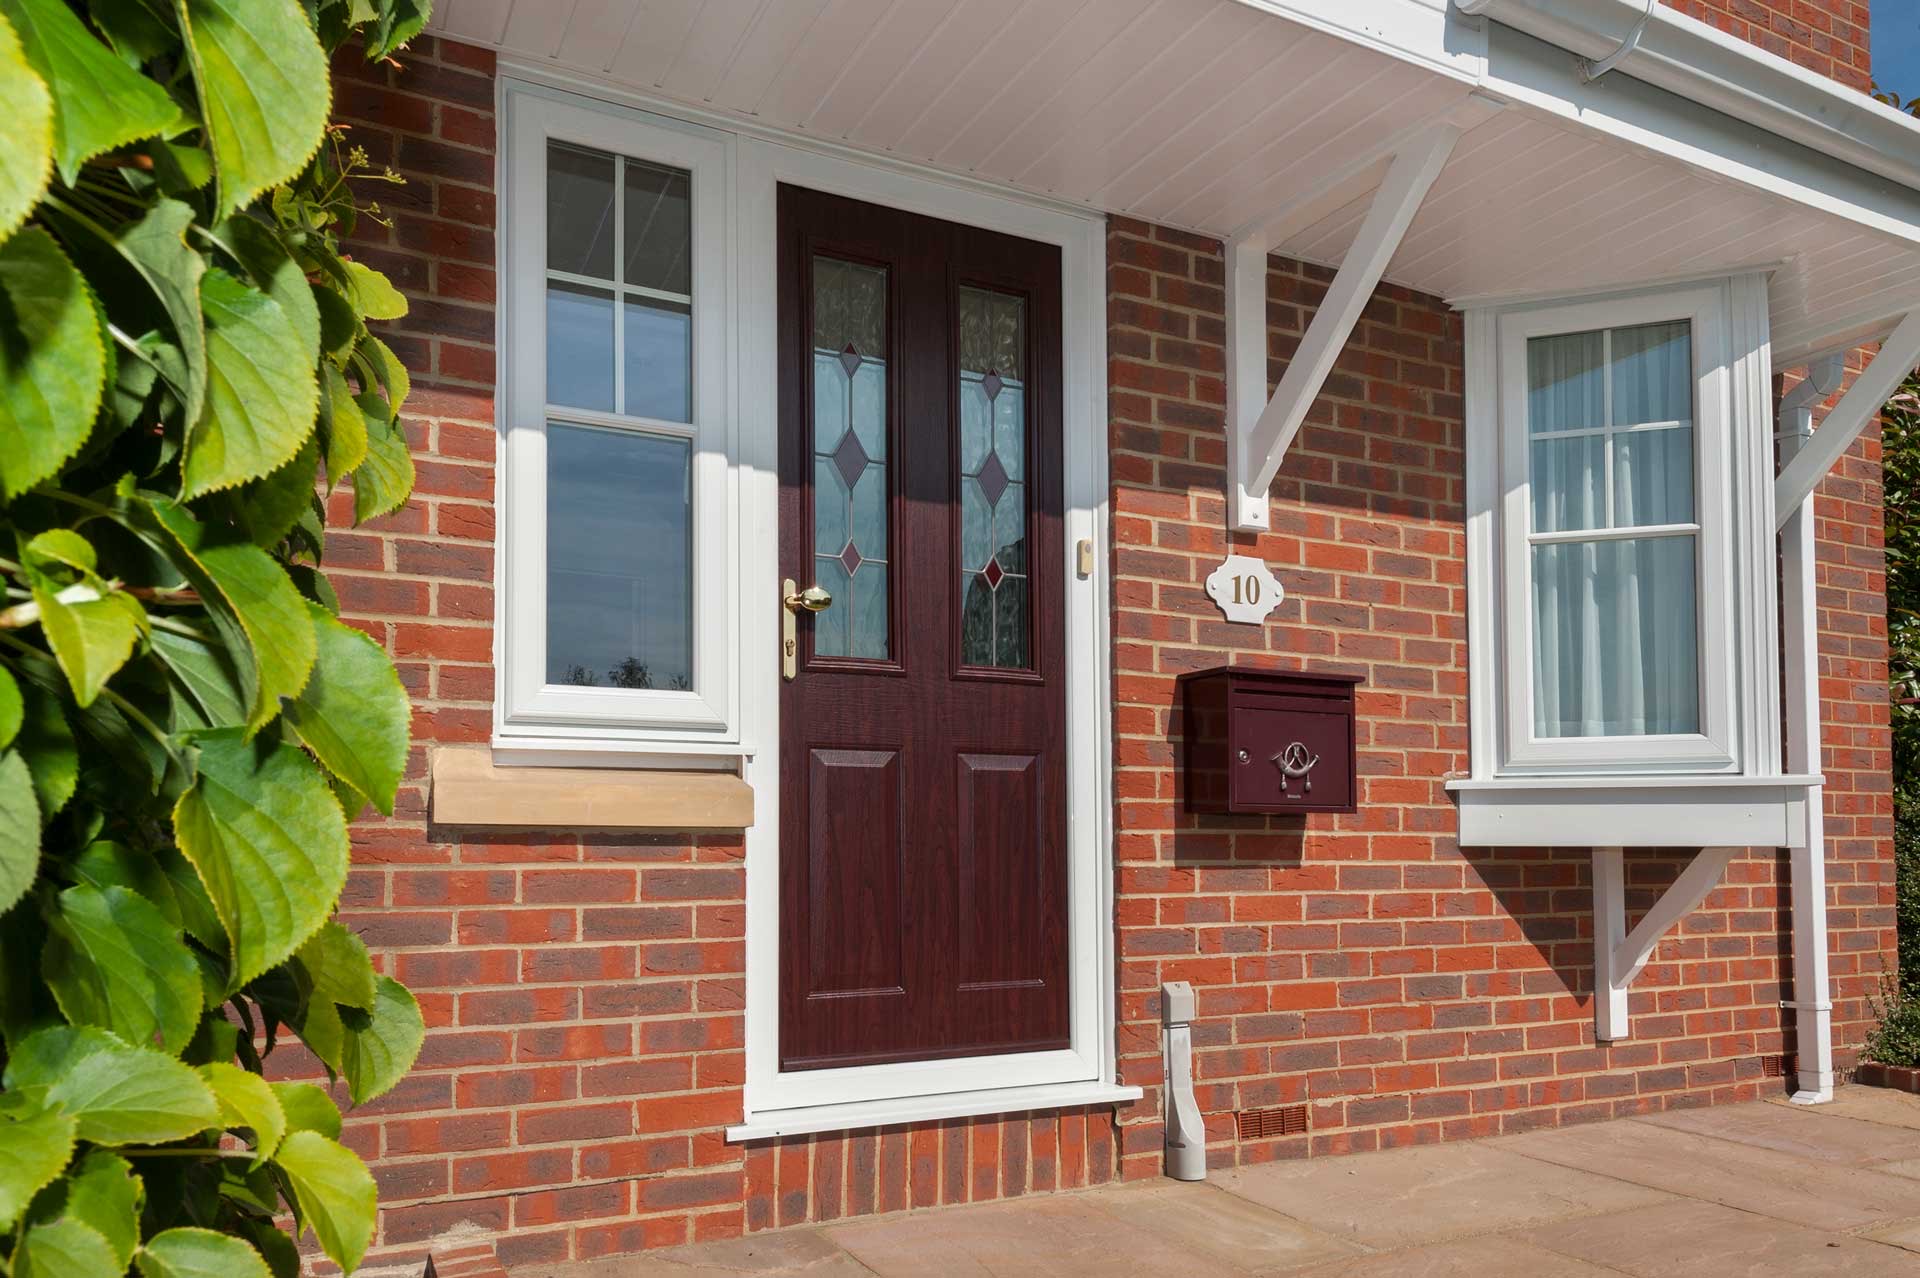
(854, 1115)
(1633, 811)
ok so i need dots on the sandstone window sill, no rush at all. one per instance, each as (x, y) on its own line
(470, 789)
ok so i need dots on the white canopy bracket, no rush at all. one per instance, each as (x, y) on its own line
(1898, 356)
(1619, 956)
(1261, 429)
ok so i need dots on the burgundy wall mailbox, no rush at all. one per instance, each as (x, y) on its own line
(1269, 741)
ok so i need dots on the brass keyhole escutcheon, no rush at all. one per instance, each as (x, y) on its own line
(795, 601)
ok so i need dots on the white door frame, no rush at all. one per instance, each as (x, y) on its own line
(777, 1101)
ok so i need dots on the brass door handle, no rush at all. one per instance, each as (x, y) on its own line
(812, 599)
(795, 601)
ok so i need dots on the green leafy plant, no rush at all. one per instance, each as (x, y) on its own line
(1895, 1039)
(186, 727)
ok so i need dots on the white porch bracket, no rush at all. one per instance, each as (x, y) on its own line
(1261, 428)
(1619, 956)
(1898, 356)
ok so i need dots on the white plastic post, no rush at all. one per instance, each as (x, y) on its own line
(1186, 1133)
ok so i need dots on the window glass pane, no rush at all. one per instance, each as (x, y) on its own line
(1653, 374)
(1569, 482)
(579, 211)
(659, 372)
(1653, 477)
(659, 230)
(993, 463)
(619, 559)
(1615, 652)
(850, 486)
(1566, 382)
(579, 346)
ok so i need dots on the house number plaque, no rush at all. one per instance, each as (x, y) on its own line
(1245, 588)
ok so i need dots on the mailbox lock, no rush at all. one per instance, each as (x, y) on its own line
(1245, 757)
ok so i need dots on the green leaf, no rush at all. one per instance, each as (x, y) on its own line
(269, 508)
(400, 21)
(99, 101)
(19, 830)
(34, 1147)
(381, 1045)
(259, 249)
(354, 714)
(133, 27)
(247, 1100)
(205, 670)
(334, 1192)
(199, 1253)
(105, 863)
(65, 1248)
(104, 1194)
(372, 293)
(269, 841)
(384, 480)
(92, 633)
(197, 915)
(252, 600)
(11, 709)
(155, 250)
(308, 1109)
(261, 393)
(113, 960)
(121, 1095)
(342, 423)
(336, 961)
(320, 1028)
(388, 372)
(53, 368)
(27, 160)
(46, 742)
(264, 91)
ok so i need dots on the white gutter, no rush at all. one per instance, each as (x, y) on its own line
(1705, 65)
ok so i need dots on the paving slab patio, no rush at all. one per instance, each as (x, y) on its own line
(1761, 1190)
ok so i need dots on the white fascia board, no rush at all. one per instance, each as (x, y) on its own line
(1706, 65)
(1663, 121)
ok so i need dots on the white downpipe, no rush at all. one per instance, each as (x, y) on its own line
(1186, 1133)
(1812, 992)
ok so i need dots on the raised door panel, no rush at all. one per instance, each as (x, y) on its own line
(854, 843)
(1002, 865)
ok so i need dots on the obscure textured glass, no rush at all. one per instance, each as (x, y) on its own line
(659, 355)
(580, 226)
(579, 346)
(619, 559)
(850, 478)
(993, 463)
(658, 236)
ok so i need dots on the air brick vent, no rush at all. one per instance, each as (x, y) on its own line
(1265, 1124)
(1777, 1066)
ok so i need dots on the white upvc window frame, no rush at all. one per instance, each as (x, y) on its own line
(1737, 613)
(528, 708)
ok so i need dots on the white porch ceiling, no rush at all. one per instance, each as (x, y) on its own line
(1209, 115)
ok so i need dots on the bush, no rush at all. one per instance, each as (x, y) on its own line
(185, 725)
(1896, 1039)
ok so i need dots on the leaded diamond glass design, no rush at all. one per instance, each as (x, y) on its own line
(993, 487)
(850, 530)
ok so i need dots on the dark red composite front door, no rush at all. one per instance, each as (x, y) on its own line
(923, 731)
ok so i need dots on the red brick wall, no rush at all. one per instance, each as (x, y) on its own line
(1827, 36)
(1365, 965)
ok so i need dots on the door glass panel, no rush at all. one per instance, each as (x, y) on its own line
(619, 559)
(993, 471)
(850, 480)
